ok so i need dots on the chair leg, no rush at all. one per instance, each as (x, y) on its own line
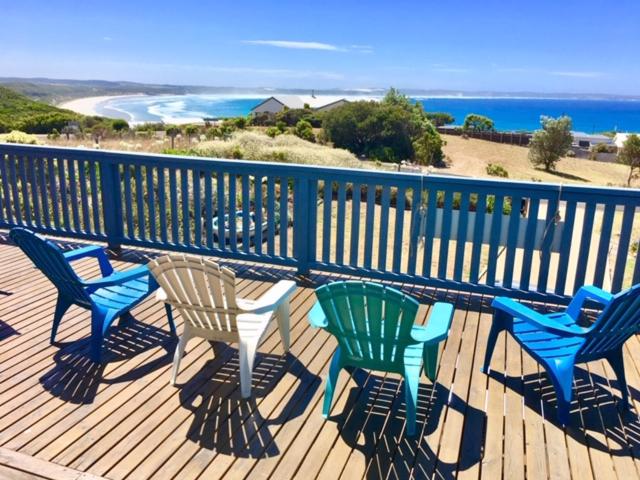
(562, 379)
(431, 361)
(282, 314)
(100, 321)
(498, 325)
(411, 383)
(62, 305)
(182, 343)
(616, 360)
(126, 320)
(247, 354)
(172, 325)
(332, 378)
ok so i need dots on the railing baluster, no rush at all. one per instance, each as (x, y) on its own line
(142, 228)
(585, 245)
(162, 205)
(603, 245)
(271, 216)
(25, 190)
(445, 233)
(173, 200)
(128, 201)
(370, 224)
(414, 229)
(257, 195)
(34, 191)
(84, 197)
(355, 224)
(13, 181)
(547, 241)
(494, 240)
(44, 192)
(340, 225)
(398, 247)
(284, 216)
(5, 187)
(73, 191)
(384, 227)
(184, 200)
(63, 194)
(565, 247)
(429, 231)
(95, 199)
(151, 202)
(512, 241)
(623, 248)
(208, 207)
(246, 210)
(529, 243)
(196, 175)
(326, 221)
(220, 210)
(233, 233)
(461, 236)
(478, 235)
(312, 231)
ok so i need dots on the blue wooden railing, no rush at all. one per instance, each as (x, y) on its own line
(534, 240)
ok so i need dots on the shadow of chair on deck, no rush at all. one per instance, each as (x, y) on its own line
(595, 408)
(7, 331)
(75, 377)
(228, 424)
(373, 422)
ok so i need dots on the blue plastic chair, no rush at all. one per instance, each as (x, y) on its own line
(110, 297)
(374, 326)
(558, 343)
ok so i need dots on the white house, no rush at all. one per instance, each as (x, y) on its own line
(620, 138)
(278, 103)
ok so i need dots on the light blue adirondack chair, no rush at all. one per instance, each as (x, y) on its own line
(559, 343)
(110, 297)
(374, 326)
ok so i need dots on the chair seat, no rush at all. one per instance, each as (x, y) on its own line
(122, 297)
(547, 344)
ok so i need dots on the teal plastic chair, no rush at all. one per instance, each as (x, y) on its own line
(108, 298)
(374, 326)
(558, 342)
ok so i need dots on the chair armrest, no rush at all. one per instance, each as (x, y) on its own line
(119, 277)
(317, 318)
(437, 327)
(94, 251)
(584, 294)
(277, 294)
(522, 312)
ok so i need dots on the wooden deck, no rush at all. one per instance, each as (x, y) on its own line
(61, 415)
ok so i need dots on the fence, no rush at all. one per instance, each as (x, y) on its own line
(511, 138)
(533, 240)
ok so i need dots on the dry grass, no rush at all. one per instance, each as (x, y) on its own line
(470, 158)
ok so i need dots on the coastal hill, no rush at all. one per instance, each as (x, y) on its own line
(55, 91)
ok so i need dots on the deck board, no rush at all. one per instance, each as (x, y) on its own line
(123, 419)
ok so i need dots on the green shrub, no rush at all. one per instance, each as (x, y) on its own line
(477, 123)
(495, 170)
(304, 130)
(16, 136)
(570, 154)
(273, 132)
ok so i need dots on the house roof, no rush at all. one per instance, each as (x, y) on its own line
(299, 101)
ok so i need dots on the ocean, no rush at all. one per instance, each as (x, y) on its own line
(509, 114)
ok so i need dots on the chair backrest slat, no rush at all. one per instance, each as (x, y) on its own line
(50, 260)
(617, 322)
(203, 293)
(371, 322)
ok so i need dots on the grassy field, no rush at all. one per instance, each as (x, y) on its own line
(470, 157)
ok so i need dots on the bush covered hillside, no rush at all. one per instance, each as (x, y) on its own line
(18, 112)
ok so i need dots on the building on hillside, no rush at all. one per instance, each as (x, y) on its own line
(620, 138)
(278, 103)
(586, 140)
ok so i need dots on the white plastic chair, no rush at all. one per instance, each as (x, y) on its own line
(205, 296)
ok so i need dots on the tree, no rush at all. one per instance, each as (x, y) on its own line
(304, 130)
(172, 131)
(550, 143)
(240, 123)
(440, 119)
(428, 148)
(190, 131)
(477, 123)
(629, 155)
(119, 125)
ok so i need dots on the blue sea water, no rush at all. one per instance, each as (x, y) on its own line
(514, 114)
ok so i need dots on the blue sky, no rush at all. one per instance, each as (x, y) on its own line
(544, 46)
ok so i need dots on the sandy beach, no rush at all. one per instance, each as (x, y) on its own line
(88, 105)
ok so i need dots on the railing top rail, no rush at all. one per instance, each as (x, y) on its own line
(349, 174)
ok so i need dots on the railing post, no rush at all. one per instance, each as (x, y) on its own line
(301, 226)
(111, 194)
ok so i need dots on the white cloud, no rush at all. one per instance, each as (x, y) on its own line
(310, 46)
(578, 74)
(444, 69)
(107, 39)
(294, 45)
